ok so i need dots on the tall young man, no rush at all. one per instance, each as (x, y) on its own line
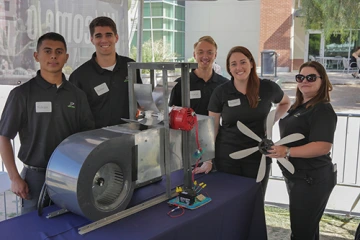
(104, 78)
(43, 111)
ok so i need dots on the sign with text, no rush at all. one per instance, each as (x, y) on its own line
(22, 22)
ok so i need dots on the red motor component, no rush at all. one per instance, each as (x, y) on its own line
(182, 118)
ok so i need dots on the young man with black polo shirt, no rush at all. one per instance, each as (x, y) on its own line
(203, 80)
(44, 111)
(104, 77)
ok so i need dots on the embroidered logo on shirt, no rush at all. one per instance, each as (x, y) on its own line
(296, 114)
(126, 79)
(71, 105)
(259, 99)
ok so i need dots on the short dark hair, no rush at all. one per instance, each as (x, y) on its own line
(50, 36)
(102, 22)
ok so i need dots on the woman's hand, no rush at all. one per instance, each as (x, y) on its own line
(277, 152)
(204, 168)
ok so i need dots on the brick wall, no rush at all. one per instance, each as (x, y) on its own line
(275, 29)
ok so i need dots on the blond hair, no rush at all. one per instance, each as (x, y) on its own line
(206, 39)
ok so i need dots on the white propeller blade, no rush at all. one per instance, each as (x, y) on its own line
(245, 130)
(262, 168)
(287, 164)
(290, 138)
(243, 153)
(269, 124)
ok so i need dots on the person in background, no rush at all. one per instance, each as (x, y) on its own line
(217, 68)
(104, 78)
(312, 115)
(43, 111)
(203, 81)
(248, 99)
(354, 60)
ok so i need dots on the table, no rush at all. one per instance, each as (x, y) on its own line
(329, 61)
(235, 212)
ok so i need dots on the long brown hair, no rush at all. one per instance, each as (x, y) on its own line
(253, 84)
(323, 94)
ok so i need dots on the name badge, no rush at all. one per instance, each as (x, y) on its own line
(43, 107)
(195, 94)
(101, 89)
(234, 103)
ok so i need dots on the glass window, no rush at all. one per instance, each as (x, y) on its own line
(179, 47)
(179, 26)
(147, 23)
(156, 9)
(334, 46)
(158, 35)
(168, 24)
(146, 10)
(179, 12)
(157, 23)
(169, 10)
(146, 36)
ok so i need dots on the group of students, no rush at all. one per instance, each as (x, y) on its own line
(48, 108)
(248, 99)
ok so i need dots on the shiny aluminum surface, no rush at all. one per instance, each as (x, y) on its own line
(90, 173)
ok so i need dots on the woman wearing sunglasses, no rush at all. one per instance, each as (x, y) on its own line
(247, 99)
(312, 115)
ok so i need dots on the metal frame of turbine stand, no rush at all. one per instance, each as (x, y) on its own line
(185, 136)
(185, 101)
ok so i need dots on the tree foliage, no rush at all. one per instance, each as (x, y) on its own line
(331, 16)
(161, 51)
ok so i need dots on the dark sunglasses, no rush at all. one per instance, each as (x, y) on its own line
(310, 78)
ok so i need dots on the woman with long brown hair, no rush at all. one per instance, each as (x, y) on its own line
(312, 115)
(248, 99)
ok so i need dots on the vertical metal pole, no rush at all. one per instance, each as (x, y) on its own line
(357, 161)
(185, 135)
(349, 50)
(344, 163)
(17, 199)
(276, 57)
(140, 29)
(152, 79)
(167, 133)
(5, 213)
(262, 64)
(132, 99)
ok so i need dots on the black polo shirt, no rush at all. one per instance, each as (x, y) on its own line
(44, 115)
(317, 123)
(107, 91)
(200, 92)
(234, 106)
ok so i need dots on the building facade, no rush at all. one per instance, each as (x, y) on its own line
(164, 20)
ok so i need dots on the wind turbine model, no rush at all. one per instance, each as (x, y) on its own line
(265, 145)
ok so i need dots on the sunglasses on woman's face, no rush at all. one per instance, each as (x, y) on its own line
(310, 78)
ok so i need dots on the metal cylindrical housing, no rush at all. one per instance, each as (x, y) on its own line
(90, 173)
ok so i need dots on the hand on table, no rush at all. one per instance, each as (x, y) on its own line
(204, 168)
